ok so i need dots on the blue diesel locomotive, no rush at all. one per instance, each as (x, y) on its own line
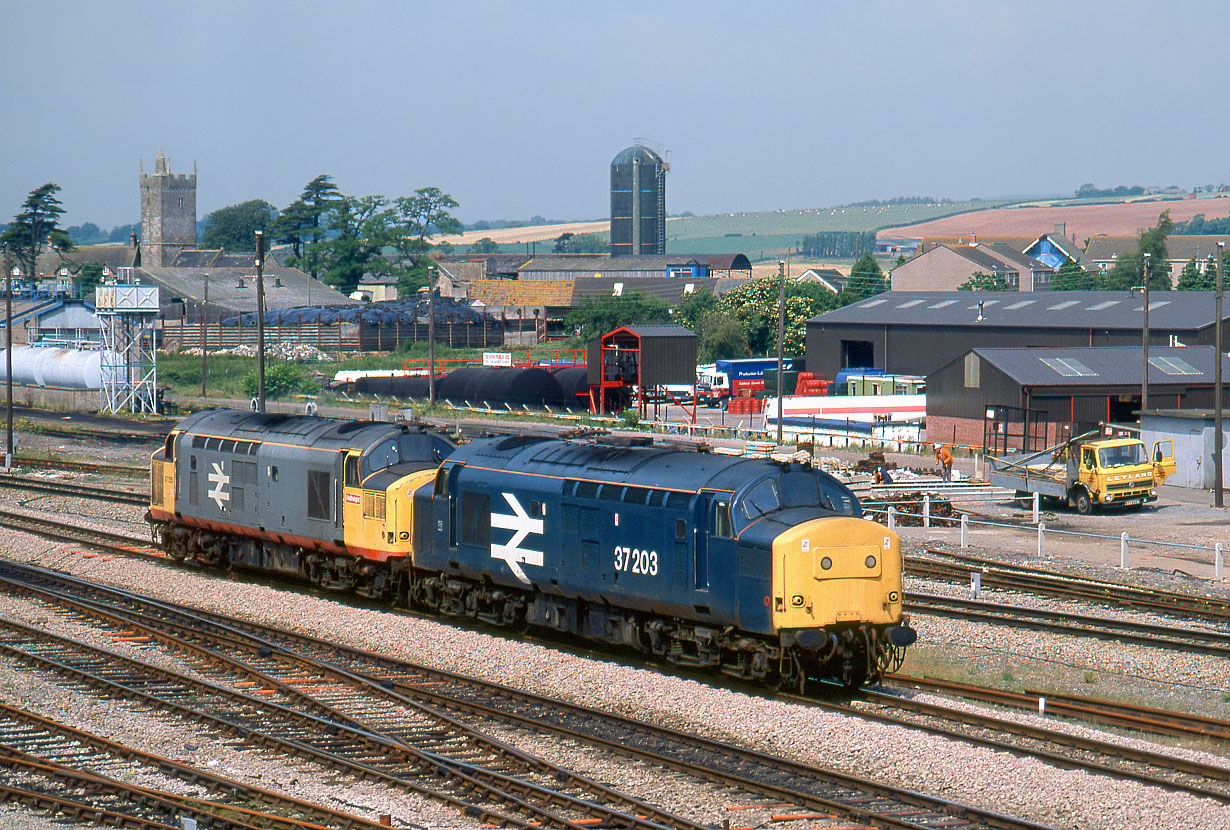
(762, 569)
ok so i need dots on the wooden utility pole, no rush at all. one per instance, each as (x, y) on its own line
(1218, 439)
(260, 321)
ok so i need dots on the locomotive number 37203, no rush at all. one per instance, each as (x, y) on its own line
(636, 560)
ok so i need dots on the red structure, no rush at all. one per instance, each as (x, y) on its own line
(634, 362)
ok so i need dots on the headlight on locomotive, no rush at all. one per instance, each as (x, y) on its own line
(836, 571)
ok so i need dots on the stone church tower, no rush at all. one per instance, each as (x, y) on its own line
(168, 213)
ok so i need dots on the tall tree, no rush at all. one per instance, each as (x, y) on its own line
(234, 227)
(1192, 278)
(866, 279)
(486, 245)
(1072, 277)
(304, 224)
(597, 317)
(35, 226)
(755, 305)
(979, 281)
(415, 220)
(1129, 268)
(720, 337)
(358, 230)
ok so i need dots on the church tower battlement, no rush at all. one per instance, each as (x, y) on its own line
(168, 213)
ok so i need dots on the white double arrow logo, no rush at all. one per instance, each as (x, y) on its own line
(523, 525)
(220, 480)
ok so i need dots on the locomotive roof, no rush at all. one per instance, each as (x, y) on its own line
(296, 430)
(581, 459)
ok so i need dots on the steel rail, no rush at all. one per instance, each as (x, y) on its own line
(78, 466)
(1054, 583)
(816, 789)
(44, 732)
(1188, 640)
(1110, 712)
(74, 489)
(157, 805)
(314, 729)
(323, 677)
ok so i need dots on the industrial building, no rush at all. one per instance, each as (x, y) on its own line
(638, 202)
(1028, 398)
(916, 333)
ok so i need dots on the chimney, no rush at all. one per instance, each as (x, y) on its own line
(980, 317)
(1061, 229)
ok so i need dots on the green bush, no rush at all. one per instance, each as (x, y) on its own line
(282, 379)
(631, 417)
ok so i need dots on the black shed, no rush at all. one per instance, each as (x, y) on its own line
(644, 356)
(917, 332)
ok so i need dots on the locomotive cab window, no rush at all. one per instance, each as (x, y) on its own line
(761, 499)
(352, 471)
(721, 520)
(168, 452)
(385, 454)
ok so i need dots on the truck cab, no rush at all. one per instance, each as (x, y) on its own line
(1117, 471)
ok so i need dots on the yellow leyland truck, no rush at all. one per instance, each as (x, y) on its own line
(1103, 467)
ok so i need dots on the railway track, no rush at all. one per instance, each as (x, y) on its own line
(78, 466)
(77, 774)
(1152, 768)
(63, 531)
(790, 786)
(72, 488)
(1175, 638)
(1114, 713)
(398, 744)
(957, 567)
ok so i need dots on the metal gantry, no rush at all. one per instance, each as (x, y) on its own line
(128, 314)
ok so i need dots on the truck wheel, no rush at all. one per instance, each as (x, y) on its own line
(1082, 503)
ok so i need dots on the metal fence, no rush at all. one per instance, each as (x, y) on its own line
(1039, 528)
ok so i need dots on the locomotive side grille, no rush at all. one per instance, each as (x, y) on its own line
(155, 483)
(682, 563)
(749, 561)
(373, 505)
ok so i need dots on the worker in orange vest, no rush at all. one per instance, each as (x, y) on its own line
(945, 458)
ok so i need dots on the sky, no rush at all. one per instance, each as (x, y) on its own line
(517, 108)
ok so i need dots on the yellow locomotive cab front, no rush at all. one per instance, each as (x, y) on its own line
(836, 571)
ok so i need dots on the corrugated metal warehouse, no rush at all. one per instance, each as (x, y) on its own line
(1066, 390)
(916, 333)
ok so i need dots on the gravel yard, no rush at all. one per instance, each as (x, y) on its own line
(895, 755)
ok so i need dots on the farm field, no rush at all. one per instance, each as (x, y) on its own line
(757, 234)
(1083, 220)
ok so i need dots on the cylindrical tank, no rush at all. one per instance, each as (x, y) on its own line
(47, 366)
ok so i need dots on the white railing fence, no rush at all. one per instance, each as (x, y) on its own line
(890, 517)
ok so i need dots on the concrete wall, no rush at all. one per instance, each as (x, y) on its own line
(64, 400)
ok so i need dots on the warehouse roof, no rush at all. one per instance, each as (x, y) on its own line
(1104, 365)
(1174, 310)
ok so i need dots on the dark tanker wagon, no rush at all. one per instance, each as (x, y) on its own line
(765, 570)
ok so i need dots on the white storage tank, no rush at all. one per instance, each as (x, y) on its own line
(55, 367)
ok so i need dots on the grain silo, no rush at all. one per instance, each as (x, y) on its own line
(638, 202)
